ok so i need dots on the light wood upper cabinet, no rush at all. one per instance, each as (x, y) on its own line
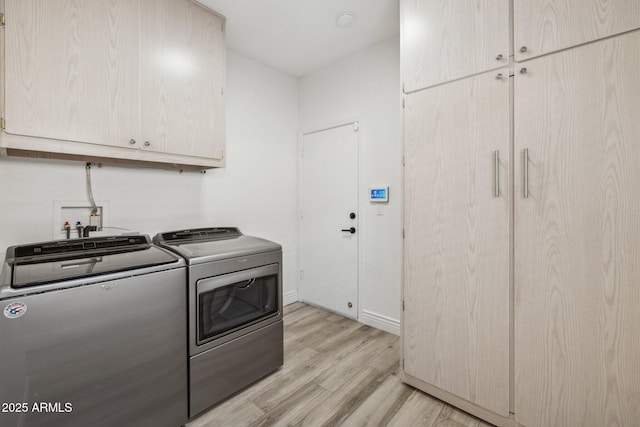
(577, 274)
(456, 247)
(66, 73)
(135, 80)
(182, 57)
(443, 40)
(544, 26)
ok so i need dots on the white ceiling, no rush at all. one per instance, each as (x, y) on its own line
(299, 36)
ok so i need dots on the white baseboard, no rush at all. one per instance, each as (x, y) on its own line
(368, 318)
(381, 322)
(290, 297)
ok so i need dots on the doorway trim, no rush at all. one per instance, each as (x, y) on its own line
(357, 121)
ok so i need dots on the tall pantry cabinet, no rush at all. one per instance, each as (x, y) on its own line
(521, 285)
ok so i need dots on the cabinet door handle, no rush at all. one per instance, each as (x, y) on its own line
(496, 190)
(526, 173)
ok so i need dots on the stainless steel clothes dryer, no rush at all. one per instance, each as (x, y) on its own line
(235, 310)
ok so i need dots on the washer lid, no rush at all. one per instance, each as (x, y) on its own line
(213, 244)
(49, 262)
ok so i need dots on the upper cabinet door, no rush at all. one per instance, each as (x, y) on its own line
(71, 70)
(544, 26)
(444, 40)
(182, 73)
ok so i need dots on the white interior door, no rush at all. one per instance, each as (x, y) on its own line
(329, 220)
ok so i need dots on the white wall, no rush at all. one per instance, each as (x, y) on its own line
(256, 192)
(144, 200)
(367, 86)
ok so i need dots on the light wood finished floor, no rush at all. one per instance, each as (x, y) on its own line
(337, 372)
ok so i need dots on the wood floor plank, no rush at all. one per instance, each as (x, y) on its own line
(337, 372)
(334, 331)
(296, 353)
(270, 396)
(334, 378)
(382, 405)
(420, 410)
(360, 334)
(308, 332)
(288, 309)
(389, 359)
(237, 411)
(451, 417)
(293, 409)
(301, 319)
(342, 403)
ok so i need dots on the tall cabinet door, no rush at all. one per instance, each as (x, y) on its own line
(577, 236)
(182, 55)
(89, 49)
(444, 40)
(456, 247)
(544, 26)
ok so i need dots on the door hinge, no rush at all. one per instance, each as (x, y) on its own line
(1, 123)
(403, 91)
(1, 19)
(356, 126)
(402, 103)
(402, 161)
(301, 274)
(403, 233)
(403, 364)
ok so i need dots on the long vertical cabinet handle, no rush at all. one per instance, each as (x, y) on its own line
(496, 190)
(526, 173)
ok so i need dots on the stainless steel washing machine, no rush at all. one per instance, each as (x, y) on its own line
(93, 333)
(235, 310)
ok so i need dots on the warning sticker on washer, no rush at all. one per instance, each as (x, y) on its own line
(15, 310)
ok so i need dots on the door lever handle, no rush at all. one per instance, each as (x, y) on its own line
(351, 230)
